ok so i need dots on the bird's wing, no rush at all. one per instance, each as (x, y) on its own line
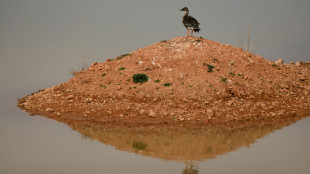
(193, 21)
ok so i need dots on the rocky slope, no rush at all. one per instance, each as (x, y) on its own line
(190, 80)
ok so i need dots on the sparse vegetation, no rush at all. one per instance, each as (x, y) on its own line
(274, 65)
(84, 67)
(223, 79)
(104, 74)
(121, 68)
(240, 75)
(210, 67)
(140, 78)
(167, 84)
(156, 81)
(248, 46)
(121, 56)
(139, 145)
(103, 86)
(232, 74)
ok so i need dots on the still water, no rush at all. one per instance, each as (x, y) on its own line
(41, 40)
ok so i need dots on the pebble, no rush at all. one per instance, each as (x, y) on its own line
(279, 61)
(181, 119)
(25, 104)
(251, 97)
(88, 100)
(273, 114)
(142, 111)
(49, 110)
(302, 78)
(210, 113)
(69, 97)
(152, 113)
(298, 64)
(185, 100)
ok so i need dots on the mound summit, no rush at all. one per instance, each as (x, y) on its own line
(190, 80)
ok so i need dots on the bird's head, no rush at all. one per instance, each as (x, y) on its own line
(184, 9)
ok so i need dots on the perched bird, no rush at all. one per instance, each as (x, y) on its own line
(189, 22)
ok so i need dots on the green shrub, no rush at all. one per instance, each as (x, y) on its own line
(210, 67)
(167, 84)
(223, 79)
(139, 145)
(140, 78)
(103, 74)
(121, 56)
(121, 68)
(156, 81)
(103, 86)
(232, 74)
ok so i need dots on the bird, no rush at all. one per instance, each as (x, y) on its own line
(189, 22)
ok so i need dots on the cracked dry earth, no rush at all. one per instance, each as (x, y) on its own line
(190, 80)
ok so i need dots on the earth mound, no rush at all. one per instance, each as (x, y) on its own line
(185, 79)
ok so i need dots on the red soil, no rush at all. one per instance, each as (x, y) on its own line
(241, 87)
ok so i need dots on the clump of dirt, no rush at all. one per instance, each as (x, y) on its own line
(185, 79)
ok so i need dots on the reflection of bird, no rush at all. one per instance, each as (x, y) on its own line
(190, 169)
(189, 22)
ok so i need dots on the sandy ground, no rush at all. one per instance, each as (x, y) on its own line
(191, 80)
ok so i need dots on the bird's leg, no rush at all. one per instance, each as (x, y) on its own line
(187, 32)
(191, 32)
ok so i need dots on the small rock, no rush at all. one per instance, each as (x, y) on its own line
(119, 88)
(230, 103)
(302, 78)
(25, 104)
(49, 110)
(121, 115)
(251, 97)
(88, 100)
(69, 97)
(210, 113)
(279, 61)
(58, 114)
(142, 111)
(185, 100)
(298, 64)
(95, 63)
(152, 113)
(273, 114)
(181, 119)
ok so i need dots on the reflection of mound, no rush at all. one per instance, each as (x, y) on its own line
(180, 144)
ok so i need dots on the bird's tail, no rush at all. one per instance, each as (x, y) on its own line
(196, 30)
